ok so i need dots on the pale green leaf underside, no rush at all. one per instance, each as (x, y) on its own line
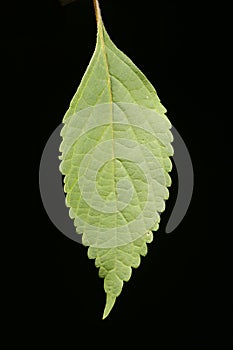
(115, 151)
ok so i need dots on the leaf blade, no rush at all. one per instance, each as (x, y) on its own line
(113, 81)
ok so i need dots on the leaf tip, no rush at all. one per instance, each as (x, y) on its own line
(110, 301)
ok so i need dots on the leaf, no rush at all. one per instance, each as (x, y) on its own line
(116, 145)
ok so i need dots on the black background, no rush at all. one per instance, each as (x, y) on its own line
(179, 287)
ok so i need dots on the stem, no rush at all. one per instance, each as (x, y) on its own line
(97, 11)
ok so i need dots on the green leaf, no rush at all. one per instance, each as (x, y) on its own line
(116, 144)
